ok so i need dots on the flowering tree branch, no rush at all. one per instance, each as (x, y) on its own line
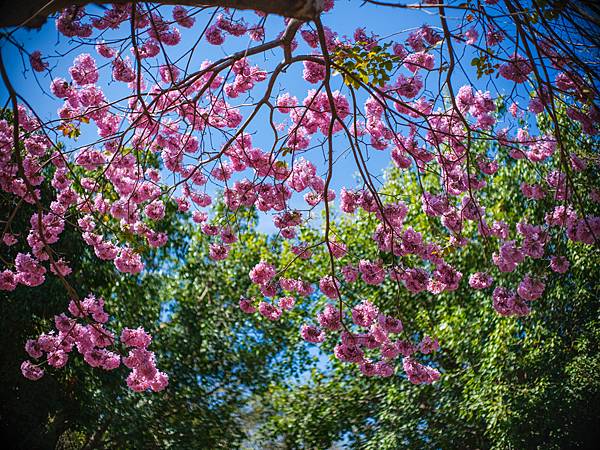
(187, 127)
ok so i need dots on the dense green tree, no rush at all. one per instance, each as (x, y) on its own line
(529, 382)
(216, 356)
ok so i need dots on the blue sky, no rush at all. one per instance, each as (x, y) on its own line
(388, 23)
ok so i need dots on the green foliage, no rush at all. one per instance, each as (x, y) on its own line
(368, 64)
(506, 382)
(483, 63)
(215, 355)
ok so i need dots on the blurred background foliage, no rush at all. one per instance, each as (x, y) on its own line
(240, 381)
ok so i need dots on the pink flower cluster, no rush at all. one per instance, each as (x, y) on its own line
(246, 77)
(144, 374)
(85, 330)
(215, 34)
(517, 69)
(37, 64)
(480, 105)
(91, 340)
(358, 348)
(507, 303)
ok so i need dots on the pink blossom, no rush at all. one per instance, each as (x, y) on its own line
(60, 88)
(31, 371)
(418, 373)
(416, 280)
(123, 70)
(8, 280)
(58, 358)
(364, 314)
(405, 348)
(84, 70)
(399, 50)
(180, 15)
(218, 252)
(559, 264)
(35, 59)
(506, 303)
(389, 350)
(135, 337)
(419, 60)
(269, 311)
(493, 37)
(286, 102)
(28, 270)
(384, 369)
(104, 50)
(534, 192)
(428, 345)
(536, 106)
(312, 334)
(350, 273)
(287, 303)
(368, 368)
(155, 210)
(33, 349)
(371, 272)
(329, 318)
(329, 286)
(348, 353)
(472, 35)
(516, 70)
(214, 36)
(313, 72)
(128, 261)
(530, 288)
(378, 333)
(390, 324)
(262, 273)
(246, 305)
(480, 280)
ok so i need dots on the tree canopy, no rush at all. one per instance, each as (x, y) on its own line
(226, 228)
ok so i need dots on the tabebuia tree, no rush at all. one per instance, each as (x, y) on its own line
(140, 104)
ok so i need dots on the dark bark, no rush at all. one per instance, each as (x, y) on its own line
(34, 13)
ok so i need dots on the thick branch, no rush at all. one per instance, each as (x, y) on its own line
(34, 13)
